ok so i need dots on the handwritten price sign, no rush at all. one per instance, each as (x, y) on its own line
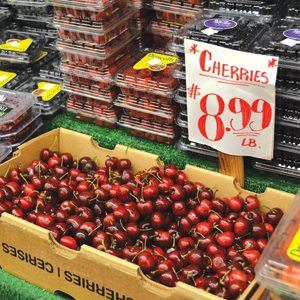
(231, 99)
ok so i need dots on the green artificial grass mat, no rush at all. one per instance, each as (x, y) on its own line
(12, 288)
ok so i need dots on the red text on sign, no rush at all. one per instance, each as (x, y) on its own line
(209, 64)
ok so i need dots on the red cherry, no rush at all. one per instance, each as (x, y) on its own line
(15, 188)
(17, 212)
(168, 278)
(179, 208)
(235, 203)
(54, 161)
(258, 230)
(146, 208)
(204, 228)
(252, 203)
(261, 244)
(146, 261)
(186, 243)
(252, 256)
(176, 192)
(225, 239)
(68, 242)
(45, 221)
(274, 216)
(241, 226)
(170, 171)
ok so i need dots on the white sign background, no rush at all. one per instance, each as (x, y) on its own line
(244, 139)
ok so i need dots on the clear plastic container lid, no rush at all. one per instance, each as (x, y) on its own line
(91, 5)
(294, 10)
(186, 145)
(5, 151)
(13, 105)
(266, 9)
(86, 52)
(146, 108)
(51, 70)
(20, 47)
(93, 32)
(27, 133)
(37, 3)
(147, 126)
(226, 30)
(282, 40)
(178, 7)
(11, 79)
(284, 166)
(47, 92)
(14, 133)
(104, 95)
(5, 13)
(165, 29)
(150, 71)
(287, 137)
(279, 266)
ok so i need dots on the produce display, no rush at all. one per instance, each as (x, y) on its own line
(173, 228)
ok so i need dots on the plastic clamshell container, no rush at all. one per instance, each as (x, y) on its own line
(17, 133)
(279, 266)
(44, 56)
(97, 93)
(118, 277)
(147, 109)
(283, 40)
(5, 151)
(287, 137)
(233, 31)
(176, 11)
(88, 100)
(288, 107)
(186, 145)
(20, 47)
(293, 10)
(151, 72)
(102, 78)
(151, 130)
(87, 113)
(11, 79)
(5, 13)
(147, 95)
(285, 162)
(49, 33)
(15, 106)
(28, 132)
(78, 30)
(51, 70)
(162, 32)
(267, 9)
(92, 10)
(182, 120)
(97, 56)
(36, 11)
(47, 92)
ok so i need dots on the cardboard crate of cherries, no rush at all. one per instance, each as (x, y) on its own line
(173, 228)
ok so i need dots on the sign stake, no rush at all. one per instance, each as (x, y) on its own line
(232, 165)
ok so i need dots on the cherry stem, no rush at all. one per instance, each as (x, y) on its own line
(77, 163)
(39, 168)
(95, 229)
(22, 176)
(197, 195)
(264, 206)
(63, 176)
(7, 170)
(175, 273)
(216, 213)
(174, 240)
(121, 223)
(74, 205)
(216, 227)
(198, 233)
(75, 196)
(210, 261)
(37, 208)
(146, 229)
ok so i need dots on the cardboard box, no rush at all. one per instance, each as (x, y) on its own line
(30, 252)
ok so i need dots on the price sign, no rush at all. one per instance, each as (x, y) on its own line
(231, 99)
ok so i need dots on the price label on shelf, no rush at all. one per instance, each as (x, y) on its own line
(231, 99)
